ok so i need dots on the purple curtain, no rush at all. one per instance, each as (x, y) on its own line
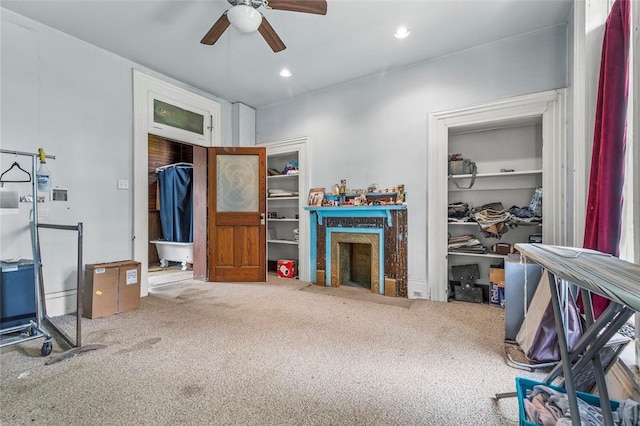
(604, 203)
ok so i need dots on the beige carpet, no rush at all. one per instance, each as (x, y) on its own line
(269, 354)
(358, 293)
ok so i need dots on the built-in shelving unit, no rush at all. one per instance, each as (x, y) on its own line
(509, 169)
(283, 209)
(285, 205)
(500, 134)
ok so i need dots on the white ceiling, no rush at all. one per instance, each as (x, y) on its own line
(355, 38)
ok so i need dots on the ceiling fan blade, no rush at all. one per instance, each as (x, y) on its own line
(216, 30)
(270, 36)
(319, 7)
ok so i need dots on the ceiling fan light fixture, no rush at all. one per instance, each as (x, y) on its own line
(401, 32)
(245, 18)
(284, 72)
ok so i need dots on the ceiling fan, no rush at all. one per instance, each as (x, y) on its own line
(244, 16)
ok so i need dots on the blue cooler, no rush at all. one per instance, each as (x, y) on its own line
(17, 294)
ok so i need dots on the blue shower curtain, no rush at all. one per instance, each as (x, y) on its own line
(176, 203)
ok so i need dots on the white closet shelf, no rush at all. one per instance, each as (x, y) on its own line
(283, 242)
(282, 220)
(510, 223)
(282, 176)
(282, 198)
(497, 174)
(492, 255)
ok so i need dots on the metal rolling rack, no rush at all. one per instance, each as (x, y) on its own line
(77, 343)
(32, 328)
(593, 272)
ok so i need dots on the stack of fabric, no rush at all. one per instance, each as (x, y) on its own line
(466, 244)
(492, 218)
(524, 215)
(458, 212)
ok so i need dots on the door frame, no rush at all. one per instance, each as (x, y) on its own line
(550, 106)
(146, 87)
(238, 221)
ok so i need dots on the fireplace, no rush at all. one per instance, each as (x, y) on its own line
(354, 265)
(360, 245)
(346, 248)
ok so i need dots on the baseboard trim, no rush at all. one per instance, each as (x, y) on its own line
(61, 303)
(417, 289)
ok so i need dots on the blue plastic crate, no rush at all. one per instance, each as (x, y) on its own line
(523, 384)
(18, 304)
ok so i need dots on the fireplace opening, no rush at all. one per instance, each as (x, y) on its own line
(355, 264)
(354, 259)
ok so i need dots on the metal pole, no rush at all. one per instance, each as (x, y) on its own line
(564, 351)
(80, 289)
(34, 242)
(62, 227)
(587, 339)
(79, 284)
(28, 154)
(605, 404)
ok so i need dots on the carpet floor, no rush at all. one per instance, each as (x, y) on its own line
(275, 353)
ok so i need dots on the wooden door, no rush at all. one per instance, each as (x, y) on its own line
(237, 204)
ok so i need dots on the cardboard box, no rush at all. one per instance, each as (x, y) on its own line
(496, 286)
(496, 276)
(110, 288)
(129, 286)
(100, 296)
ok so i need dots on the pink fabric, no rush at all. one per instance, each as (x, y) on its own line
(604, 204)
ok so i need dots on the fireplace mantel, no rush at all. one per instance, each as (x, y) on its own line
(356, 211)
(389, 225)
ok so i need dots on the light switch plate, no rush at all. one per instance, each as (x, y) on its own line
(123, 184)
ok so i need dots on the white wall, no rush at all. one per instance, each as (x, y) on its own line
(375, 129)
(244, 124)
(75, 101)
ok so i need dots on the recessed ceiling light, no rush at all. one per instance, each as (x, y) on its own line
(285, 73)
(401, 32)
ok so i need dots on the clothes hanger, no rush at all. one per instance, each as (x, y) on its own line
(15, 164)
(168, 166)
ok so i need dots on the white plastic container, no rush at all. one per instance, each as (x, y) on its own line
(43, 178)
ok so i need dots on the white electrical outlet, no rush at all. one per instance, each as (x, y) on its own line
(123, 184)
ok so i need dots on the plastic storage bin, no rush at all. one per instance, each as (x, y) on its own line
(514, 292)
(522, 385)
(17, 294)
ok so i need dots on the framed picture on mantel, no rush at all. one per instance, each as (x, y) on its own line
(316, 195)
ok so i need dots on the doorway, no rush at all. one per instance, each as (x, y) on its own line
(177, 114)
(166, 263)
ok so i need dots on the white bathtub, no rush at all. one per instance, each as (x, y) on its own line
(170, 251)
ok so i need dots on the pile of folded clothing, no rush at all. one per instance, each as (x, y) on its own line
(282, 193)
(524, 215)
(466, 244)
(458, 212)
(492, 218)
(547, 406)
